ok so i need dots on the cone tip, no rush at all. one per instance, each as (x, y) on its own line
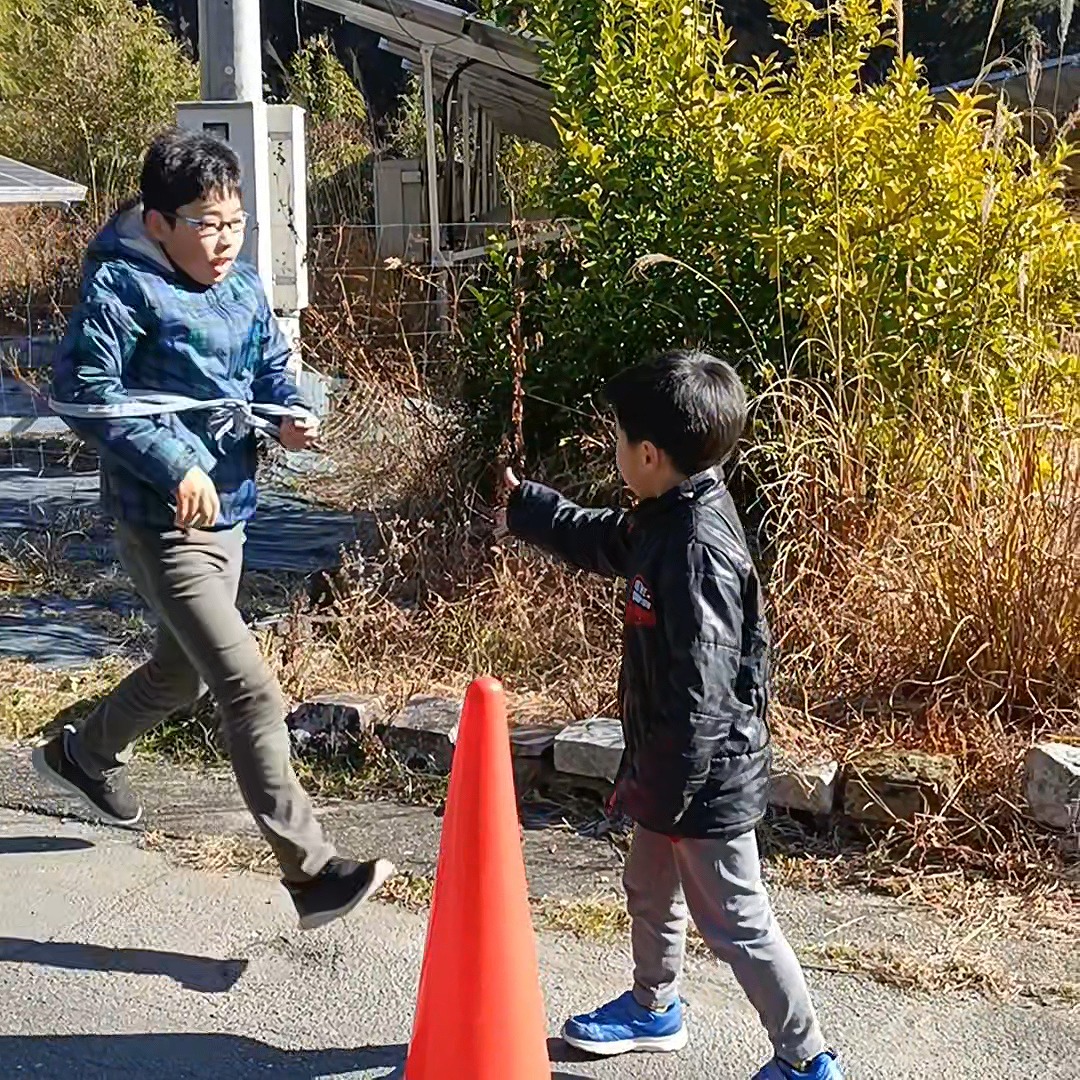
(486, 687)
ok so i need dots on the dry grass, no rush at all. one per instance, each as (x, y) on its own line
(958, 969)
(40, 255)
(924, 598)
(925, 607)
(212, 854)
(439, 602)
(899, 968)
(32, 699)
(37, 564)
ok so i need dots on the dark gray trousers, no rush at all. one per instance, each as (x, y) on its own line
(190, 579)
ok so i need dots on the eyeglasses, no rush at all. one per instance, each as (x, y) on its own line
(208, 229)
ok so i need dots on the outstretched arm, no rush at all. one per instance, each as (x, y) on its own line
(596, 540)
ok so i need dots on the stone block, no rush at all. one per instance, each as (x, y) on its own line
(898, 785)
(424, 733)
(533, 740)
(331, 723)
(592, 748)
(531, 775)
(532, 750)
(809, 788)
(1052, 785)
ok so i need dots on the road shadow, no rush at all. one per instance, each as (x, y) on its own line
(196, 1056)
(561, 1054)
(41, 845)
(188, 1056)
(203, 974)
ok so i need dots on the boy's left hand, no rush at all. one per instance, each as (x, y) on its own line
(509, 484)
(299, 433)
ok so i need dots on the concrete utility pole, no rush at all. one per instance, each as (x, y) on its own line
(269, 140)
(230, 68)
(230, 50)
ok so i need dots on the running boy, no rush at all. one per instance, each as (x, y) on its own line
(166, 307)
(694, 699)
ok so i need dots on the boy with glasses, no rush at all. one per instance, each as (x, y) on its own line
(165, 307)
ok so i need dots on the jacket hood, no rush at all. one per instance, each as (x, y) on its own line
(125, 237)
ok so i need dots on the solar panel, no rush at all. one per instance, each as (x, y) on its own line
(21, 183)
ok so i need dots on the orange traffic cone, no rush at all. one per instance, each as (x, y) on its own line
(480, 1011)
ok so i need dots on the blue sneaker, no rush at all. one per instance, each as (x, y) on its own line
(623, 1025)
(823, 1067)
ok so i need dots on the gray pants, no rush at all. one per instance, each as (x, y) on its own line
(718, 882)
(190, 579)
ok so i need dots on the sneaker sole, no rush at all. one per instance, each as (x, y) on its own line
(47, 772)
(662, 1044)
(384, 870)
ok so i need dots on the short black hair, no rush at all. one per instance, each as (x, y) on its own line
(687, 403)
(182, 167)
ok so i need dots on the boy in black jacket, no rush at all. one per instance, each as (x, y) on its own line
(693, 693)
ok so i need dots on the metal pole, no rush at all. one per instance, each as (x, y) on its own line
(466, 156)
(230, 50)
(426, 52)
(484, 166)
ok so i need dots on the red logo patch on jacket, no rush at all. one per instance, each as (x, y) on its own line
(639, 604)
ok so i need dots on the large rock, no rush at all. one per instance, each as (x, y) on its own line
(592, 748)
(809, 788)
(898, 785)
(1052, 785)
(424, 733)
(331, 723)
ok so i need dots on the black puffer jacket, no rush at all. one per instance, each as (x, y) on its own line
(694, 683)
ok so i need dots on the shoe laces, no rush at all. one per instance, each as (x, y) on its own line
(113, 781)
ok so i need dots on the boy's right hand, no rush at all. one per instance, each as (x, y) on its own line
(197, 502)
(510, 481)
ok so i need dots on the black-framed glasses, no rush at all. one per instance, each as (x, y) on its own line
(207, 228)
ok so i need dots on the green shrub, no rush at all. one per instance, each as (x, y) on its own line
(338, 133)
(836, 228)
(84, 84)
(405, 134)
(892, 274)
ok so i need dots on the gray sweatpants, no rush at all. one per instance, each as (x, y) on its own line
(718, 883)
(190, 579)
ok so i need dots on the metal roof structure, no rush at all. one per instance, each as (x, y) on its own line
(490, 83)
(518, 104)
(430, 22)
(21, 183)
(1013, 70)
(500, 68)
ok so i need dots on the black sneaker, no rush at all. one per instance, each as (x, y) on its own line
(337, 890)
(111, 796)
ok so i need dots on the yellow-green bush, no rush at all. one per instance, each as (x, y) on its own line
(84, 84)
(863, 228)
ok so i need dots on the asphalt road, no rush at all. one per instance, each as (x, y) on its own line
(115, 962)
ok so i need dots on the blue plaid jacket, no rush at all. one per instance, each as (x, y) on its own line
(143, 325)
